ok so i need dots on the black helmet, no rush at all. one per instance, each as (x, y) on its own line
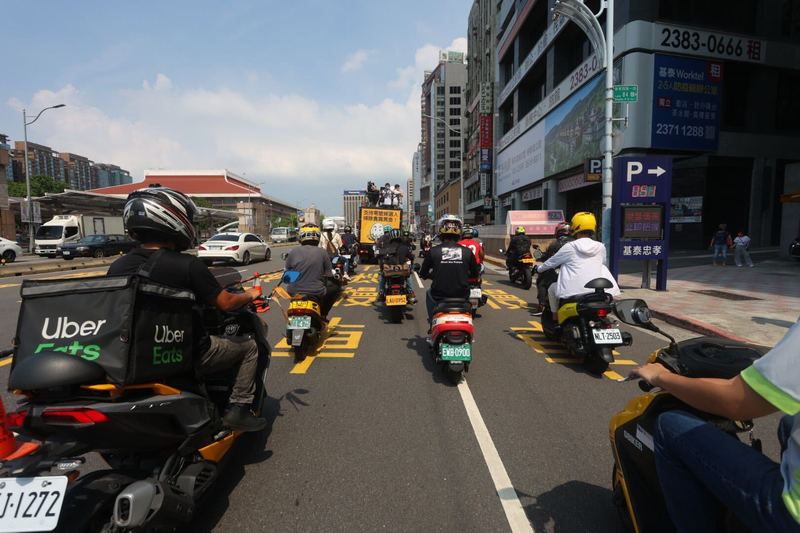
(163, 212)
(348, 229)
(395, 234)
(468, 233)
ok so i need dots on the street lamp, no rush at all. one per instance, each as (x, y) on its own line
(25, 125)
(461, 174)
(582, 16)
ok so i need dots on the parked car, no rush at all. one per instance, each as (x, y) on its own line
(794, 249)
(97, 246)
(241, 248)
(9, 250)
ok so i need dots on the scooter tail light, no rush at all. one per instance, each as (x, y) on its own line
(602, 313)
(16, 419)
(74, 416)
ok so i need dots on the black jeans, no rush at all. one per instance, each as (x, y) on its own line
(332, 291)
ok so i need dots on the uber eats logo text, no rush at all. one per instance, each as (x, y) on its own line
(63, 329)
(164, 352)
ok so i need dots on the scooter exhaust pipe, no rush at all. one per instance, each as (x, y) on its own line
(143, 501)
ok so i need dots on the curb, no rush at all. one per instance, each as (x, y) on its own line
(696, 326)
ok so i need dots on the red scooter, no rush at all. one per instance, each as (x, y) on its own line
(451, 336)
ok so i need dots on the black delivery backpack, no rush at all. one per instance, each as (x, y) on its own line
(138, 330)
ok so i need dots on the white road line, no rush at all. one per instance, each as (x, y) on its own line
(515, 515)
(419, 281)
(496, 270)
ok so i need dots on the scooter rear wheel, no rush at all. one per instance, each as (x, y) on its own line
(595, 364)
(527, 279)
(300, 353)
(396, 314)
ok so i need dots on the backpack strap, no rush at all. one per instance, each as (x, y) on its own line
(147, 267)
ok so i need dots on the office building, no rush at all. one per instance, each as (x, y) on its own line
(352, 201)
(479, 112)
(441, 127)
(7, 228)
(42, 160)
(78, 171)
(717, 91)
(408, 209)
(106, 175)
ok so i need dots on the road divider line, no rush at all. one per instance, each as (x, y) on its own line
(515, 514)
(6, 361)
(419, 281)
(495, 269)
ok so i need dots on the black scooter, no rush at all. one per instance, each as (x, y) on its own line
(163, 441)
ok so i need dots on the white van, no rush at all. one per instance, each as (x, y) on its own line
(283, 235)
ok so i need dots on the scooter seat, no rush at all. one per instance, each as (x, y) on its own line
(591, 297)
(48, 370)
(452, 305)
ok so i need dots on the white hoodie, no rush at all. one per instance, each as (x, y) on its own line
(581, 261)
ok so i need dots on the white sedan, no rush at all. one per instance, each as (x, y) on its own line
(9, 250)
(242, 248)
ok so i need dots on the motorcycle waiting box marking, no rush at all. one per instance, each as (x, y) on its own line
(534, 337)
(334, 341)
(498, 298)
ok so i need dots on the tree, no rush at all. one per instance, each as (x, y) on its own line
(39, 186)
(201, 202)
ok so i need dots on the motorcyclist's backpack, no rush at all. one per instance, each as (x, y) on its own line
(391, 254)
(138, 330)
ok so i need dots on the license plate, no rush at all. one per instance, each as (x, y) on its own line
(31, 503)
(474, 293)
(66, 252)
(607, 336)
(299, 322)
(526, 260)
(397, 299)
(456, 352)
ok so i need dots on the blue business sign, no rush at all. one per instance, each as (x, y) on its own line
(640, 212)
(486, 160)
(686, 103)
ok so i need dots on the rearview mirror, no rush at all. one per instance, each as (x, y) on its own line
(537, 254)
(633, 312)
(290, 276)
(284, 255)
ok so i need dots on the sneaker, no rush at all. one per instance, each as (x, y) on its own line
(347, 277)
(413, 298)
(239, 417)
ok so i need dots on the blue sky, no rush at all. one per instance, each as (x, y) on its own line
(307, 97)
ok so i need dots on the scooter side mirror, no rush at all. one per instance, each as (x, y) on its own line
(633, 312)
(417, 267)
(537, 254)
(290, 276)
(284, 255)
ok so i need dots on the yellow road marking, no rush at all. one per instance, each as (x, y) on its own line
(610, 374)
(7, 285)
(334, 339)
(76, 275)
(6, 361)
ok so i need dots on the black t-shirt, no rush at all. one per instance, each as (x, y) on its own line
(450, 265)
(178, 270)
(348, 239)
(520, 244)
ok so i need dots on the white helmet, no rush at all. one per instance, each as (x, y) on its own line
(328, 225)
(450, 225)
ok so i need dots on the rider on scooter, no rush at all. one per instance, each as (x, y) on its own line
(469, 239)
(161, 219)
(397, 252)
(547, 278)
(331, 242)
(449, 264)
(519, 245)
(581, 261)
(315, 268)
(699, 465)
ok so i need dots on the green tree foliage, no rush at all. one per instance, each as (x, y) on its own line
(201, 202)
(39, 186)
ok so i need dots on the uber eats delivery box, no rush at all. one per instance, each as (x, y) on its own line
(136, 329)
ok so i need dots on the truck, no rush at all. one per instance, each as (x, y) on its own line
(61, 229)
(371, 221)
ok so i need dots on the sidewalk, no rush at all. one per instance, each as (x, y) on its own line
(756, 304)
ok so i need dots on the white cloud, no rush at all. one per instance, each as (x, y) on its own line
(302, 149)
(425, 58)
(355, 60)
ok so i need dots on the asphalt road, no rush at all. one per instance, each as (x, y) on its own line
(369, 436)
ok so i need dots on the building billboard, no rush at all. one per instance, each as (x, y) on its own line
(373, 220)
(521, 163)
(686, 103)
(354, 193)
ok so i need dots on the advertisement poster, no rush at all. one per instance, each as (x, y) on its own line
(574, 131)
(522, 162)
(374, 219)
(686, 103)
(686, 209)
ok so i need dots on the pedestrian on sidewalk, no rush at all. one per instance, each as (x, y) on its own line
(741, 245)
(720, 243)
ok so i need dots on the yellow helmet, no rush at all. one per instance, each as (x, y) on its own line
(583, 221)
(309, 233)
(520, 230)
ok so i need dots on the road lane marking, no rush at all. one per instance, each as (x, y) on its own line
(496, 270)
(419, 281)
(7, 285)
(512, 507)
(338, 337)
(6, 361)
(74, 275)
